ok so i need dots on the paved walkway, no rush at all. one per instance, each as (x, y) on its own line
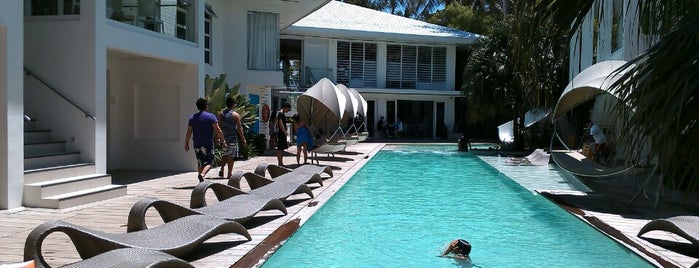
(226, 250)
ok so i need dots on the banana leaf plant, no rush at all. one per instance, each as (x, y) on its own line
(216, 92)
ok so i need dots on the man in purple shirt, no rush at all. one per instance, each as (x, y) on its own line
(203, 125)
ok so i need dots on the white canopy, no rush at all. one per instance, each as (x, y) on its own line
(361, 104)
(588, 84)
(321, 106)
(351, 106)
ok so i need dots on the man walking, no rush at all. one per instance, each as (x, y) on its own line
(201, 129)
(232, 130)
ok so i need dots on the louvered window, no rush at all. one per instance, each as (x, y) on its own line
(413, 67)
(393, 64)
(356, 64)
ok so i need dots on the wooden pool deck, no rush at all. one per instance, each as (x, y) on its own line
(231, 250)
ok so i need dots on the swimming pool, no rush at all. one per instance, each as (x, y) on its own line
(406, 203)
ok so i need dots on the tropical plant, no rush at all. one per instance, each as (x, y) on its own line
(660, 84)
(463, 17)
(216, 91)
(517, 66)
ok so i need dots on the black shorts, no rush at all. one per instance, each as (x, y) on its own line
(282, 144)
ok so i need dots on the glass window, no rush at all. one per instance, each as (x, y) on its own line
(617, 24)
(52, 7)
(207, 38)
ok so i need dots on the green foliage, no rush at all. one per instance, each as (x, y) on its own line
(464, 18)
(519, 66)
(217, 90)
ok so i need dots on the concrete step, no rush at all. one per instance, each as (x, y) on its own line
(66, 185)
(37, 136)
(50, 173)
(76, 198)
(43, 148)
(50, 160)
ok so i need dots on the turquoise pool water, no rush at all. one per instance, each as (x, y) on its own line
(405, 204)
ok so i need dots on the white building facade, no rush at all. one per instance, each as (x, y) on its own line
(109, 85)
(405, 69)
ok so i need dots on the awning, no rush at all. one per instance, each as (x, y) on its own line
(588, 84)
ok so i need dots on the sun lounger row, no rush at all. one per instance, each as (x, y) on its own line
(184, 228)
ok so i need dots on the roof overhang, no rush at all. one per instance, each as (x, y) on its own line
(588, 84)
(408, 92)
(294, 10)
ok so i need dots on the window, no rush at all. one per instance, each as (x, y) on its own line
(617, 24)
(356, 64)
(263, 41)
(52, 7)
(415, 67)
(207, 38)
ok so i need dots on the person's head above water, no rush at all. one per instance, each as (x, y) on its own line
(460, 248)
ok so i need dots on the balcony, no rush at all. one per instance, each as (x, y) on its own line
(173, 18)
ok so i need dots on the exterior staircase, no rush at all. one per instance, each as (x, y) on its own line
(56, 178)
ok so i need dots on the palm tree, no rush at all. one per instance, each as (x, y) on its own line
(661, 84)
(523, 67)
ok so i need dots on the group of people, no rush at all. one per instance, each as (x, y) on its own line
(205, 129)
(304, 139)
(390, 130)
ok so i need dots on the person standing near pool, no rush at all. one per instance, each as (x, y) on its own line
(282, 143)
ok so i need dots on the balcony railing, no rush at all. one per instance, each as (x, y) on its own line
(169, 17)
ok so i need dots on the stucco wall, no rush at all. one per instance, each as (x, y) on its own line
(150, 101)
(11, 91)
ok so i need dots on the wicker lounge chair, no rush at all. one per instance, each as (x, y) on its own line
(257, 181)
(280, 188)
(133, 258)
(233, 205)
(177, 238)
(276, 170)
(686, 227)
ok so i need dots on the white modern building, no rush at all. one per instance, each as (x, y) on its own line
(593, 60)
(92, 86)
(404, 68)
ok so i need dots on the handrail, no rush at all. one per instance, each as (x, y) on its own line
(59, 93)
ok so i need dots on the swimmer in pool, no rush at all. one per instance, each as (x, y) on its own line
(458, 249)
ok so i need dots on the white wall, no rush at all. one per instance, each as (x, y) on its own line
(62, 51)
(11, 108)
(150, 102)
(232, 47)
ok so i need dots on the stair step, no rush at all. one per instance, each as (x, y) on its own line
(50, 173)
(65, 185)
(30, 125)
(78, 197)
(44, 148)
(37, 136)
(50, 160)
